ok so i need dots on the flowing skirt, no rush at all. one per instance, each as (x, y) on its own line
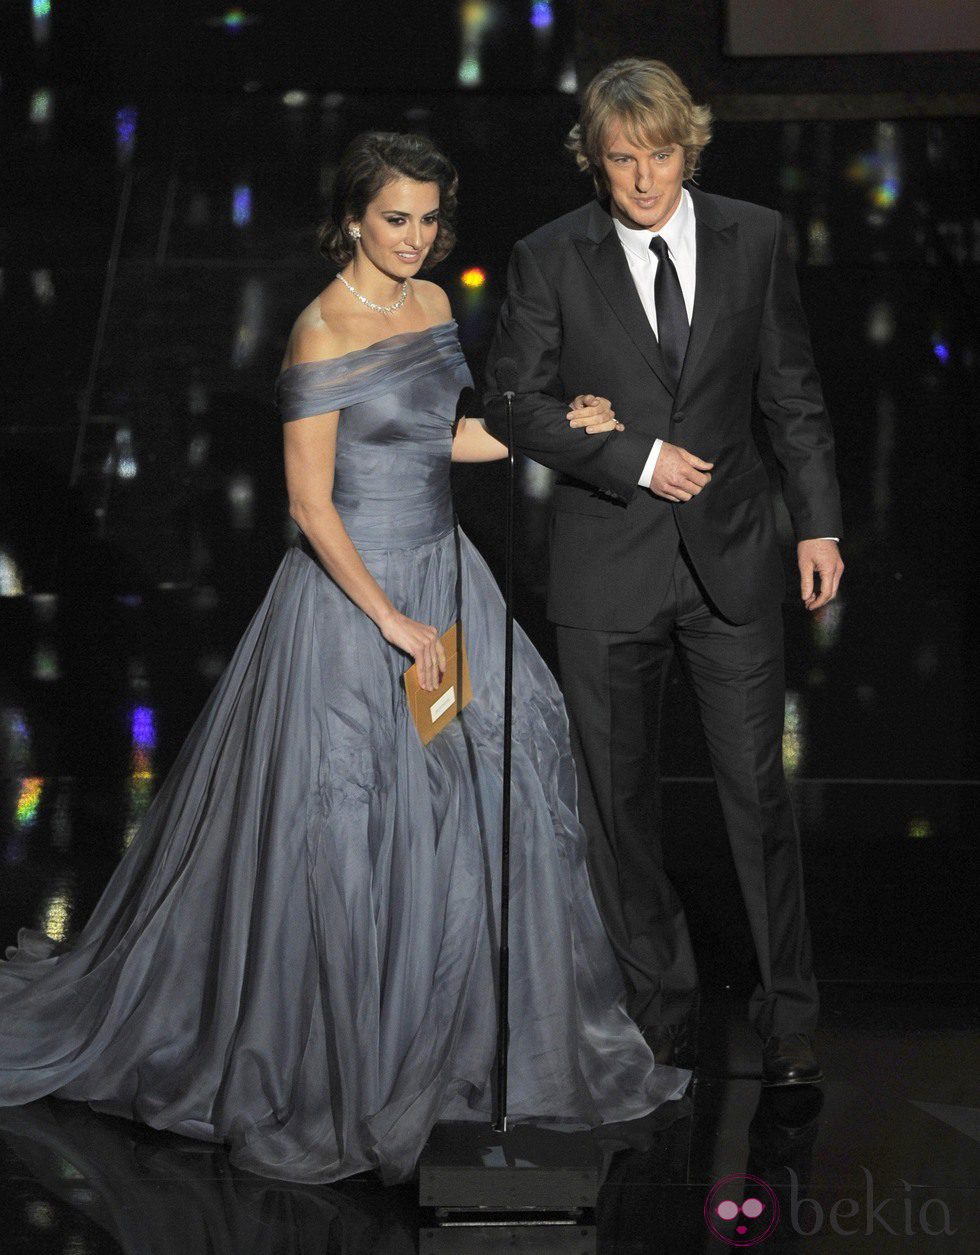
(296, 954)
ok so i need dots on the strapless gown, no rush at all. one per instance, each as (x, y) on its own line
(295, 955)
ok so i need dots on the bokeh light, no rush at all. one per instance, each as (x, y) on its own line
(241, 205)
(568, 80)
(126, 120)
(143, 728)
(542, 15)
(11, 581)
(794, 737)
(41, 103)
(143, 735)
(56, 914)
(885, 194)
(41, 20)
(882, 323)
(474, 277)
(475, 17)
(29, 799)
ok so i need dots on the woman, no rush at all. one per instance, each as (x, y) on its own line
(295, 955)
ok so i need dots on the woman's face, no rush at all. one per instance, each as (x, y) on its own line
(399, 226)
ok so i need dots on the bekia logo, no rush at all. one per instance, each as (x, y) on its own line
(741, 1210)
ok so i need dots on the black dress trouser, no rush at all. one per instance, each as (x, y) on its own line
(613, 684)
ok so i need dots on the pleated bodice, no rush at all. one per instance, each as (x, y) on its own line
(397, 401)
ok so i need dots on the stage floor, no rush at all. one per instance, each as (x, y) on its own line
(890, 1140)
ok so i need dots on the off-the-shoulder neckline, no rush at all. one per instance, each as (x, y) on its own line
(399, 335)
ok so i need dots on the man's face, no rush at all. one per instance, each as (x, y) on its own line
(644, 182)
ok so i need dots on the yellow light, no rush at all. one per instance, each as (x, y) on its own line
(794, 735)
(473, 278)
(57, 915)
(474, 13)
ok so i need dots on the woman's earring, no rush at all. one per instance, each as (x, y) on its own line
(354, 232)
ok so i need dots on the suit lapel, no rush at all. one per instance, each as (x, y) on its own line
(717, 237)
(607, 264)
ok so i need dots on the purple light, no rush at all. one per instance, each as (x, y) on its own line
(143, 727)
(126, 124)
(241, 205)
(542, 15)
(941, 351)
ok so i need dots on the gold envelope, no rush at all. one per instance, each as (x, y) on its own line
(433, 709)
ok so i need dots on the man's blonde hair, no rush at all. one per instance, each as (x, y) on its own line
(654, 108)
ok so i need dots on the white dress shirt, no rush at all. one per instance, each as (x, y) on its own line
(680, 232)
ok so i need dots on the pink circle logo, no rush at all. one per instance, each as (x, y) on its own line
(741, 1210)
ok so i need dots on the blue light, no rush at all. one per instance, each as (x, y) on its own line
(126, 124)
(143, 727)
(542, 15)
(941, 351)
(41, 9)
(241, 205)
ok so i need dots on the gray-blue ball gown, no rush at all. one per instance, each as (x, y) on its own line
(295, 955)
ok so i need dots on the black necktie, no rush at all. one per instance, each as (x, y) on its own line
(672, 325)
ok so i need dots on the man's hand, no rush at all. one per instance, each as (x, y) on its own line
(679, 475)
(595, 414)
(820, 557)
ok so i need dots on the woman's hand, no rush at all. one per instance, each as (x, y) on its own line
(419, 640)
(595, 414)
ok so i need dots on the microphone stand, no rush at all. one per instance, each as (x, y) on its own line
(503, 980)
(521, 1170)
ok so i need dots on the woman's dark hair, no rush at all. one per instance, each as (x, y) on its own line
(373, 159)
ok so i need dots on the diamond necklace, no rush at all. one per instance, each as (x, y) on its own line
(381, 309)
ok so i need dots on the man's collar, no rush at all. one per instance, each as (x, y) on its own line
(637, 239)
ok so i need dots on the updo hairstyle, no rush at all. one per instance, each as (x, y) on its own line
(371, 160)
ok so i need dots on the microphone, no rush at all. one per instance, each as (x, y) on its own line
(506, 376)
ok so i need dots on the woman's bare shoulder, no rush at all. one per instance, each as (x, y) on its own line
(316, 334)
(433, 299)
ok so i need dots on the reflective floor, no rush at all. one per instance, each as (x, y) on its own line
(883, 1157)
(149, 279)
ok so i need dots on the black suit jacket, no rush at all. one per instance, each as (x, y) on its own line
(573, 322)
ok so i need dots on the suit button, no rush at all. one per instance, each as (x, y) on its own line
(677, 418)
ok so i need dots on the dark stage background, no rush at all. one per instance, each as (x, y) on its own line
(164, 168)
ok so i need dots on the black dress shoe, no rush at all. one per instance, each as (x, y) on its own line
(789, 1060)
(663, 1040)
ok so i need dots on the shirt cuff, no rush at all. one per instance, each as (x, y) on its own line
(646, 475)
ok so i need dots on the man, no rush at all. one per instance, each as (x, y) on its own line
(676, 304)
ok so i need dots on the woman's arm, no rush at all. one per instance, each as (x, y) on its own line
(473, 443)
(310, 450)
